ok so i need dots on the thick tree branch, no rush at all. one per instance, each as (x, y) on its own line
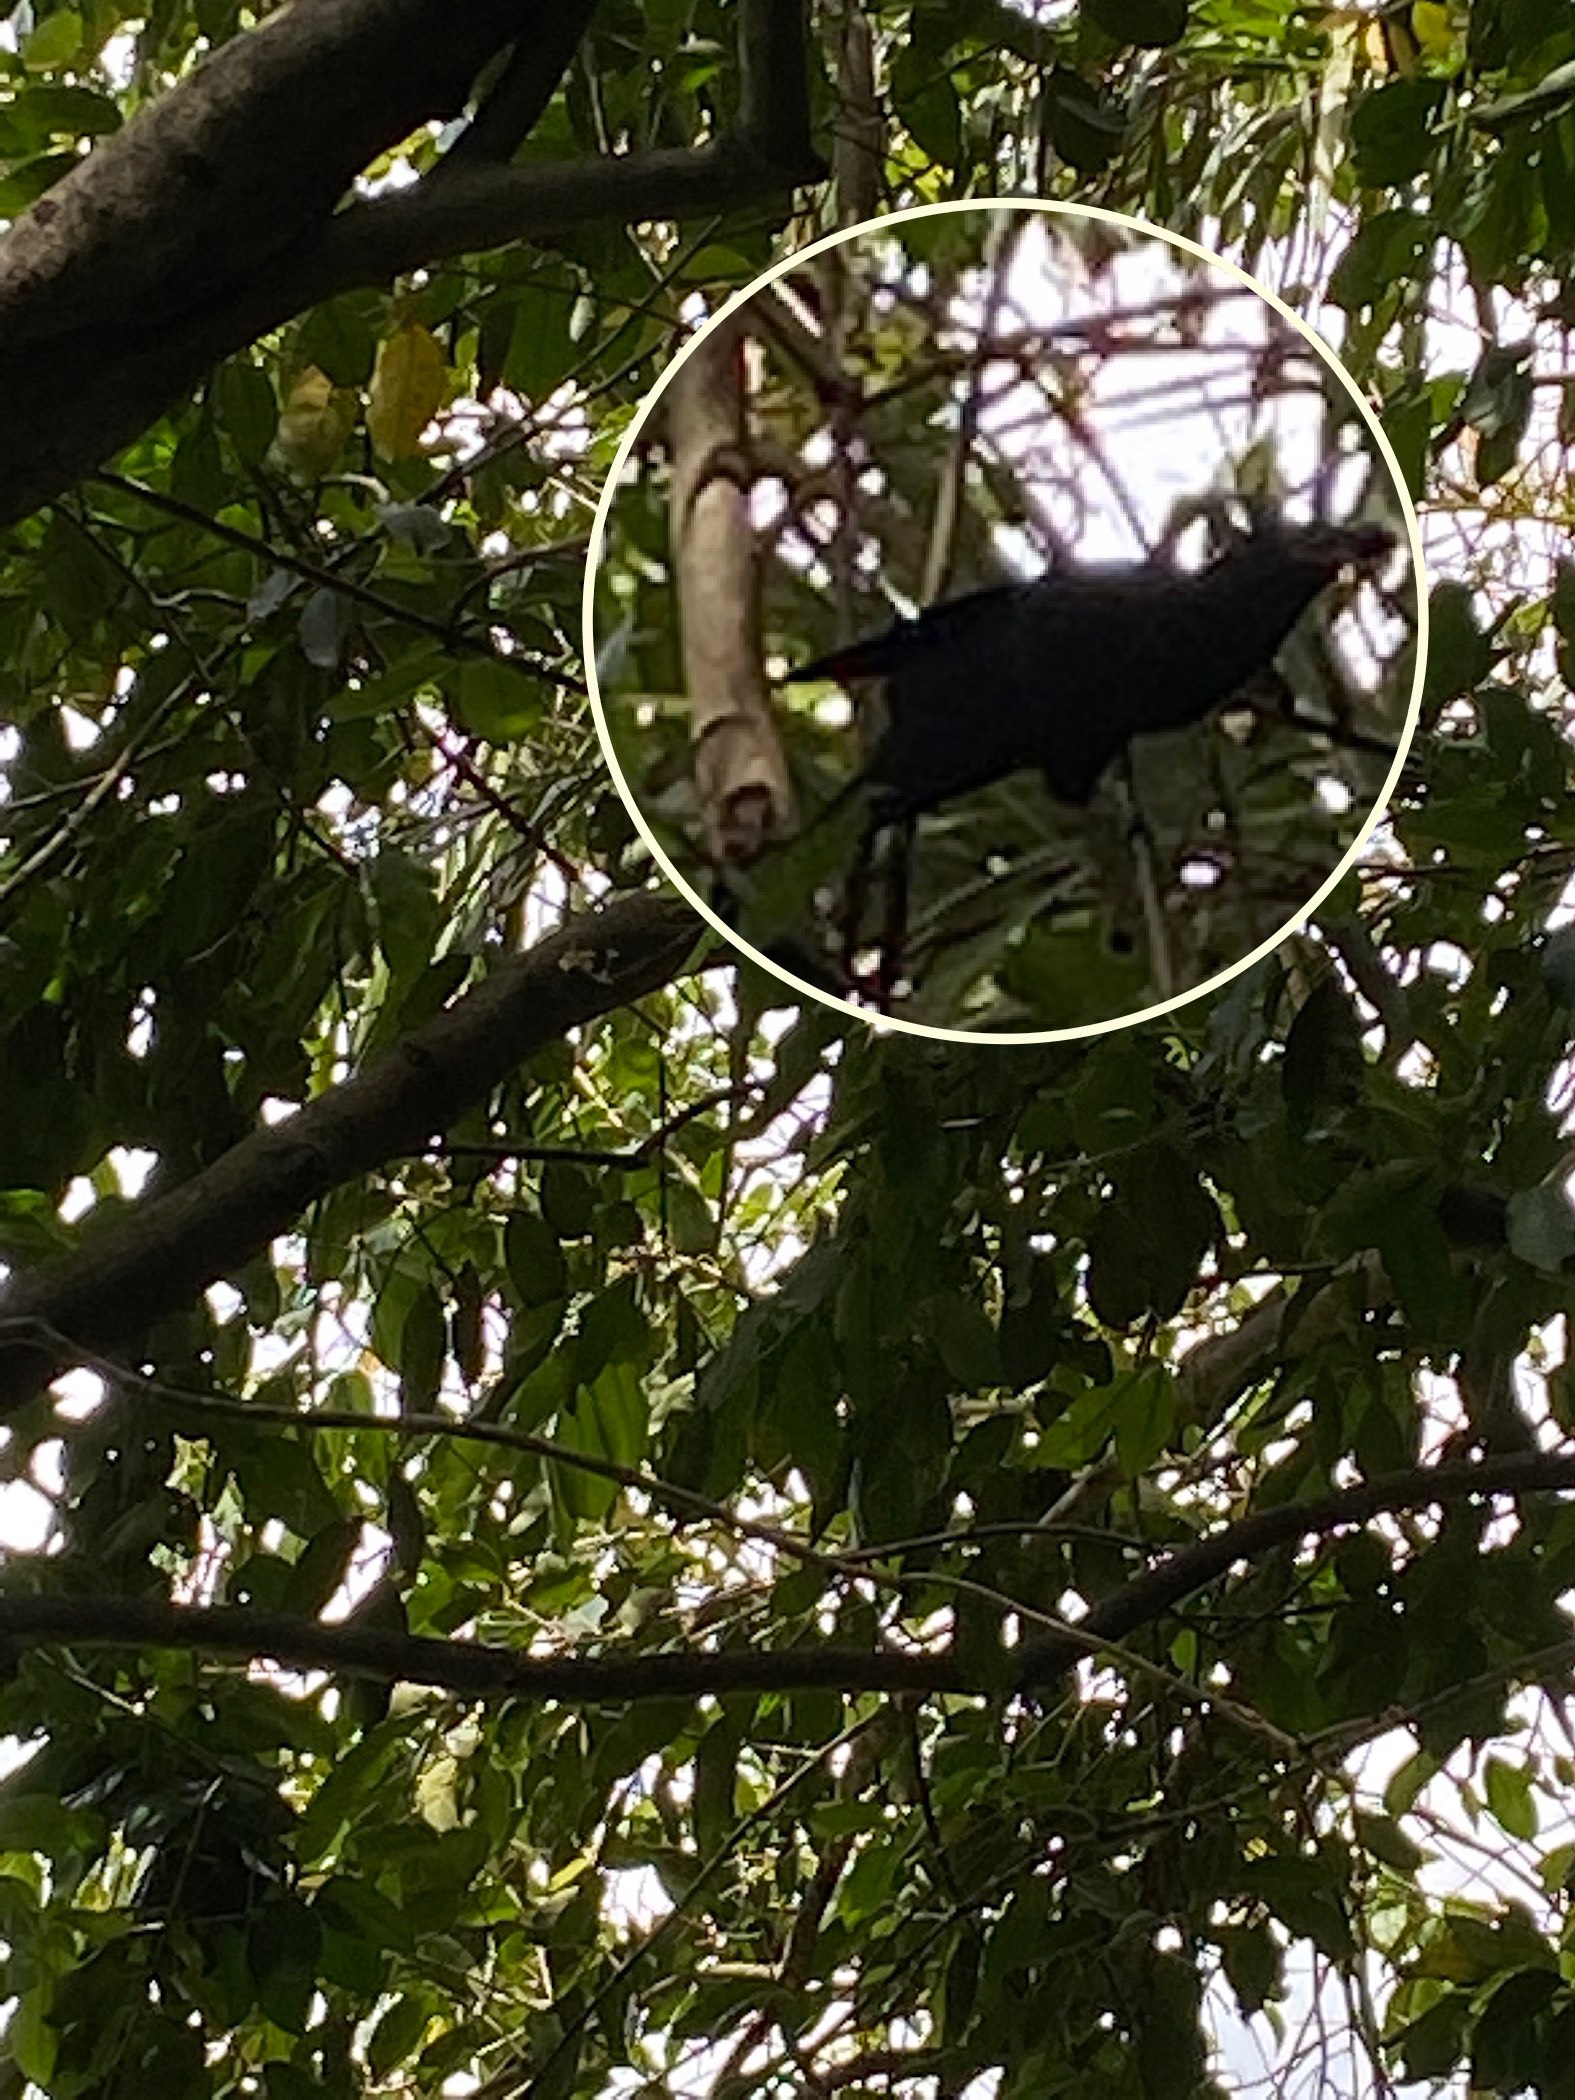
(464, 1666)
(489, 206)
(212, 217)
(858, 153)
(237, 162)
(155, 1261)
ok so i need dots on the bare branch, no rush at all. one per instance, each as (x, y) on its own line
(236, 162)
(740, 767)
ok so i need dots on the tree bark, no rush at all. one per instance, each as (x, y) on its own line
(741, 773)
(213, 215)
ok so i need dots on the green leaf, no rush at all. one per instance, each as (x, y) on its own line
(1430, 2047)
(541, 350)
(325, 625)
(866, 1886)
(1150, 1237)
(1305, 1895)
(1322, 1070)
(407, 911)
(1541, 1225)
(1386, 248)
(1552, 91)
(1408, 425)
(613, 1330)
(340, 338)
(495, 700)
(1086, 125)
(534, 1259)
(966, 1340)
(691, 1223)
(568, 1199)
(609, 1419)
(55, 42)
(23, 186)
(396, 2034)
(926, 104)
(423, 1341)
(1253, 1964)
(1386, 1840)
(1510, 1797)
(1506, 2048)
(1170, 2056)
(1497, 404)
(390, 689)
(314, 423)
(416, 527)
(197, 470)
(1400, 1795)
(1146, 1418)
(321, 1569)
(408, 385)
(715, 1785)
(247, 410)
(1113, 1102)
(1459, 653)
(1391, 131)
(38, 113)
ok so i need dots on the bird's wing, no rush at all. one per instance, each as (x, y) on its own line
(939, 627)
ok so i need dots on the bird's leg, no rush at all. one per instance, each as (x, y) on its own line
(894, 933)
(857, 896)
(1140, 845)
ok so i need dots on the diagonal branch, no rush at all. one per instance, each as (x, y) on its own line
(237, 162)
(155, 1261)
(1150, 1595)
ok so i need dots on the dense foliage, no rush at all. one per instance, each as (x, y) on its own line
(550, 1562)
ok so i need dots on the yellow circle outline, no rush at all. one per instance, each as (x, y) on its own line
(599, 531)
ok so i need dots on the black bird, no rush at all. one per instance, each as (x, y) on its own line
(1062, 673)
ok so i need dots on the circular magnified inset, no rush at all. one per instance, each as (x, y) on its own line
(1005, 620)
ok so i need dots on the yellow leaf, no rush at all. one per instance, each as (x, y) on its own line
(314, 423)
(407, 390)
(1434, 29)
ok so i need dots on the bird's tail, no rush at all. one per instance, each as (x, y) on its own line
(871, 658)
